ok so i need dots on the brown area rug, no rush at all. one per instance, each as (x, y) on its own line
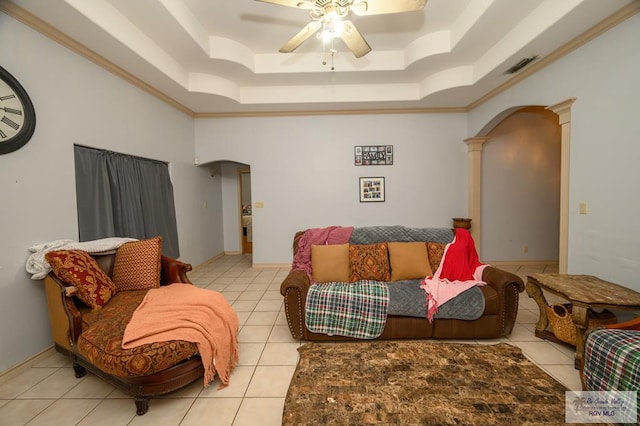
(410, 382)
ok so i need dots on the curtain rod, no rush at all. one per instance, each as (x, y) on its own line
(120, 153)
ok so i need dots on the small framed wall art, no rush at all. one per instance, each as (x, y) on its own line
(371, 189)
(373, 155)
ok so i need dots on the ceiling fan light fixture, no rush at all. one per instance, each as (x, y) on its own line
(328, 20)
(359, 7)
(332, 27)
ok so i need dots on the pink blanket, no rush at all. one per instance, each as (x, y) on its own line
(318, 236)
(459, 270)
(186, 312)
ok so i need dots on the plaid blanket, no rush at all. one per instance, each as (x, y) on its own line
(612, 360)
(356, 309)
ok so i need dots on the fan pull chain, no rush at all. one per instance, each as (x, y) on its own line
(333, 54)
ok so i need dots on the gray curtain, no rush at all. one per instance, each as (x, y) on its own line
(124, 196)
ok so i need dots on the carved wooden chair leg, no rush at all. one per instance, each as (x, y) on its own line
(79, 370)
(142, 404)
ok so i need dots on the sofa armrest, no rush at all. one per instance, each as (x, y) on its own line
(64, 316)
(294, 288)
(174, 271)
(507, 285)
(633, 324)
(499, 278)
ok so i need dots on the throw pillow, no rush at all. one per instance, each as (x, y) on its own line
(409, 261)
(77, 268)
(330, 263)
(436, 251)
(369, 262)
(137, 265)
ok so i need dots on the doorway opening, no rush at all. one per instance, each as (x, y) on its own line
(521, 188)
(245, 209)
(474, 147)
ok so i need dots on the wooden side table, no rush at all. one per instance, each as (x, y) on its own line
(584, 292)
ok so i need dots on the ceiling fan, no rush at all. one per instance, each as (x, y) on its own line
(328, 15)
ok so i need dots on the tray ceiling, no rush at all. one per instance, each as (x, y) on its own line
(219, 57)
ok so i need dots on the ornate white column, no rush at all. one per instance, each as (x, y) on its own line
(563, 109)
(474, 148)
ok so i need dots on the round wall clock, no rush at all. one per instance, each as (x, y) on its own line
(17, 115)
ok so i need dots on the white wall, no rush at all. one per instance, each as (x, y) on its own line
(302, 169)
(198, 199)
(521, 189)
(78, 102)
(604, 76)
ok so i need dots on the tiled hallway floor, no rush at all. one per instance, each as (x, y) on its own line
(48, 393)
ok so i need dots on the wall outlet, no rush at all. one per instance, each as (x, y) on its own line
(525, 249)
(583, 208)
(259, 204)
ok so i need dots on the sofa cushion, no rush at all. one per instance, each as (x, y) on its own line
(101, 342)
(369, 262)
(77, 268)
(435, 252)
(407, 298)
(126, 300)
(409, 261)
(330, 263)
(137, 265)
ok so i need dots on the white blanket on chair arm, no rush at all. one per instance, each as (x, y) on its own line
(38, 266)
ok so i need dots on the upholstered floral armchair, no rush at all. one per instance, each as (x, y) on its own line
(91, 298)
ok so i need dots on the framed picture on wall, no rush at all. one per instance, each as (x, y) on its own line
(373, 155)
(371, 189)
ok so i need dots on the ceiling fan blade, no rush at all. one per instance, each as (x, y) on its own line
(300, 4)
(354, 40)
(299, 38)
(379, 7)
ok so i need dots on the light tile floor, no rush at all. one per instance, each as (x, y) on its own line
(48, 393)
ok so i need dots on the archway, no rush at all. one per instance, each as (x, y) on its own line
(475, 146)
(231, 175)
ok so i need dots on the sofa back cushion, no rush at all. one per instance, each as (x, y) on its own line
(369, 262)
(77, 268)
(409, 261)
(435, 252)
(330, 263)
(105, 262)
(137, 265)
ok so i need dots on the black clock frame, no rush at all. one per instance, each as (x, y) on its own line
(29, 126)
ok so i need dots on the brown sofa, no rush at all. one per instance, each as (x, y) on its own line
(93, 339)
(501, 307)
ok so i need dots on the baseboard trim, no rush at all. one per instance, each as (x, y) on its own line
(28, 363)
(208, 261)
(272, 265)
(233, 253)
(519, 262)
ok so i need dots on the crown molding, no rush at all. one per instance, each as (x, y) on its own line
(331, 112)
